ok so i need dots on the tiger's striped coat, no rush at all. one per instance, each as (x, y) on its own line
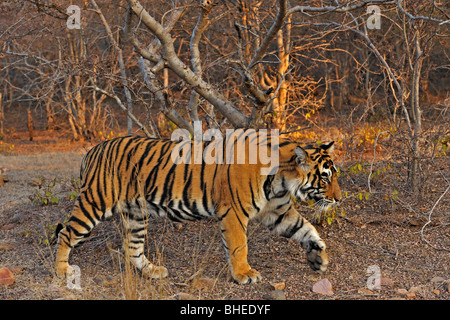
(136, 177)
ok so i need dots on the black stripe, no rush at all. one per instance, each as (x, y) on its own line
(224, 215)
(268, 186)
(288, 233)
(253, 197)
(277, 222)
(240, 204)
(150, 181)
(240, 222)
(168, 184)
(81, 223)
(123, 154)
(71, 229)
(86, 213)
(187, 185)
(136, 230)
(187, 213)
(168, 157)
(67, 238)
(285, 143)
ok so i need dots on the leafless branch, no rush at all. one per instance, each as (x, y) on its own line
(124, 108)
(202, 24)
(341, 8)
(123, 72)
(429, 221)
(236, 117)
(276, 26)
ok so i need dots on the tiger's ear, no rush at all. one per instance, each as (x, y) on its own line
(301, 155)
(328, 147)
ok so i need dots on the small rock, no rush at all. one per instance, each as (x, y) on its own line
(183, 296)
(415, 222)
(364, 291)
(178, 226)
(437, 279)
(414, 289)
(8, 226)
(17, 218)
(278, 285)
(109, 281)
(410, 295)
(386, 282)
(35, 182)
(402, 292)
(6, 277)
(275, 295)
(323, 287)
(98, 280)
(436, 292)
(203, 283)
(57, 289)
(5, 246)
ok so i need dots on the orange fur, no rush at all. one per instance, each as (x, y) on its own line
(137, 177)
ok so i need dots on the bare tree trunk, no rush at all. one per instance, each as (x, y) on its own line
(2, 114)
(30, 124)
(75, 101)
(201, 26)
(415, 175)
(123, 72)
(280, 101)
(50, 113)
(80, 107)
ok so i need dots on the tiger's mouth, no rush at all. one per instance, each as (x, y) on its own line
(324, 204)
(321, 203)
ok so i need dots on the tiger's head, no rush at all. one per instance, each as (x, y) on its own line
(315, 176)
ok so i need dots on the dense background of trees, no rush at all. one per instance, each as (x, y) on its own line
(154, 65)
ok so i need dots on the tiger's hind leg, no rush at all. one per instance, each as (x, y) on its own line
(80, 224)
(136, 222)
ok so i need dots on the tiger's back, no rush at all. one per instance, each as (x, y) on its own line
(125, 172)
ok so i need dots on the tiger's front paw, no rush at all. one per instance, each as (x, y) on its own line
(317, 256)
(249, 276)
(64, 270)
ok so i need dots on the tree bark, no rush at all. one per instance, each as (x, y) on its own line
(2, 114)
(415, 175)
(30, 124)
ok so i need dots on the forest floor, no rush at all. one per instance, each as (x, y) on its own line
(404, 237)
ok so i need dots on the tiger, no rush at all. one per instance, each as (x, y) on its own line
(137, 178)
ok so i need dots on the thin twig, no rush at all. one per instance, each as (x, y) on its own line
(288, 131)
(429, 221)
(124, 108)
